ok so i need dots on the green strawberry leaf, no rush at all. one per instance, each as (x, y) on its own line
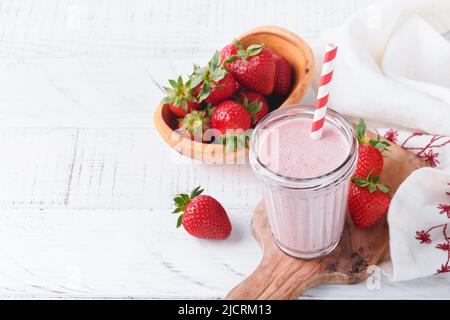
(383, 188)
(218, 74)
(215, 60)
(180, 220)
(238, 44)
(234, 142)
(166, 100)
(184, 105)
(169, 91)
(209, 109)
(177, 210)
(254, 50)
(178, 200)
(231, 59)
(370, 183)
(360, 182)
(254, 107)
(185, 197)
(180, 82)
(361, 131)
(194, 81)
(253, 47)
(204, 92)
(173, 83)
(378, 144)
(197, 191)
(177, 101)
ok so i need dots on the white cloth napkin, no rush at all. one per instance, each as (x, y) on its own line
(419, 225)
(393, 69)
(393, 64)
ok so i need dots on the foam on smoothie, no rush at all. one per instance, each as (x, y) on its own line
(287, 149)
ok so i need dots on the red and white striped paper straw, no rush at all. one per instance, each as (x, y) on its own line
(323, 92)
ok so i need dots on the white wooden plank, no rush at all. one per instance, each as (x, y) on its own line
(96, 63)
(83, 206)
(78, 93)
(172, 28)
(118, 253)
(35, 166)
(139, 253)
(109, 168)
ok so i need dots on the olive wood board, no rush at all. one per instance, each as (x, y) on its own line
(280, 276)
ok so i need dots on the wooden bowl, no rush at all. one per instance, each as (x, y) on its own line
(278, 40)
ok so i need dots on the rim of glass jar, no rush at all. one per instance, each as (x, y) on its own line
(319, 182)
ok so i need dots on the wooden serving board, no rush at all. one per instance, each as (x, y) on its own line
(280, 276)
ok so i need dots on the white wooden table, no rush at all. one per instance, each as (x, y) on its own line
(85, 181)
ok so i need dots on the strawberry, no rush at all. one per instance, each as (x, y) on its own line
(203, 216)
(368, 201)
(239, 86)
(370, 158)
(230, 115)
(213, 83)
(180, 97)
(283, 74)
(255, 104)
(254, 67)
(228, 51)
(232, 120)
(194, 125)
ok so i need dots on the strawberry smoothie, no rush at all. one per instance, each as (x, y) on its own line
(305, 182)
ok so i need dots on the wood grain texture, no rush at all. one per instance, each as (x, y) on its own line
(86, 181)
(280, 276)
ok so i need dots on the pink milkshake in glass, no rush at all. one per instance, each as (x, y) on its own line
(304, 182)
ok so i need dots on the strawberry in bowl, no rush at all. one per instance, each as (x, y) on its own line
(180, 97)
(245, 72)
(253, 67)
(213, 83)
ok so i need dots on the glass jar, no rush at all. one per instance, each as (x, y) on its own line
(306, 215)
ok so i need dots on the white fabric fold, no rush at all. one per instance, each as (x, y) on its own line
(393, 69)
(393, 65)
(419, 225)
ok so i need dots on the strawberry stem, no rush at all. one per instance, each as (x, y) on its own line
(377, 143)
(208, 76)
(234, 142)
(195, 123)
(371, 183)
(361, 132)
(179, 93)
(182, 200)
(252, 107)
(244, 54)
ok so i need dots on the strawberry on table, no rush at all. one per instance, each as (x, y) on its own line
(202, 216)
(368, 201)
(370, 158)
(283, 75)
(213, 83)
(194, 124)
(253, 67)
(180, 97)
(256, 105)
